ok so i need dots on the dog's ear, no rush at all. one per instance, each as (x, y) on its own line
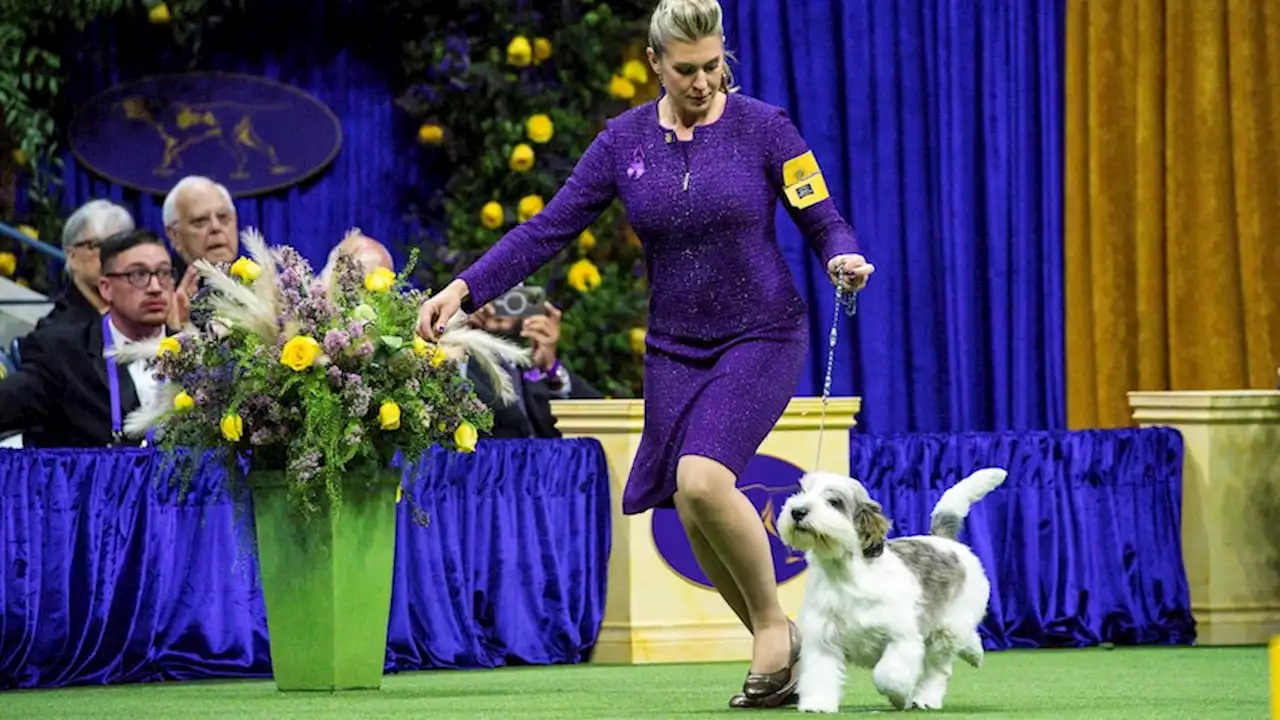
(872, 526)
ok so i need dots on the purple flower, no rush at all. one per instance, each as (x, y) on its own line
(335, 341)
(365, 349)
(306, 466)
(335, 376)
(357, 395)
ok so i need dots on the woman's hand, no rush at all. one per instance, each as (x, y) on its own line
(855, 269)
(438, 308)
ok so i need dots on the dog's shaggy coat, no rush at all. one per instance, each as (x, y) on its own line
(904, 607)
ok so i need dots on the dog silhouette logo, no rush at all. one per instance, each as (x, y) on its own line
(767, 482)
(252, 134)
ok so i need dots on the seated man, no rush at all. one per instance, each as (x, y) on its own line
(81, 238)
(66, 383)
(366, 251)
(530, 415)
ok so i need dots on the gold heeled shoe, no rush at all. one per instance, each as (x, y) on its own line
(771, 690)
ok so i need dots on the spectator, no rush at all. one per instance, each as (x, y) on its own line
(201, 224)
(530, 416)
(64, 384)
(370, 253)
(81, 238)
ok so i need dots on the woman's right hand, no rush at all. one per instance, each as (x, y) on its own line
(438, 308)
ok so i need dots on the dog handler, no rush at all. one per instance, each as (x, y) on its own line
(700, 172)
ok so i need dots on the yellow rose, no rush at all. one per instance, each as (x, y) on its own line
(380, 280)
(420, 347)
(158, 14)
(389, 416)
(300, 353)
(540, 128)
(246, 269)
(23, 282)
(465, 437)
(430, 134)
(587, 241)
(636, 338)
(8, 264)
(232, 427)
(439, 357)
(521, 158)
(29, 232)
(169, 346)
(529, 206)
(541, 50)
(621, 88)
(583, 276)
(491, 215)
(183, 402)
(19, 157)
(519, 51)
(636, 72)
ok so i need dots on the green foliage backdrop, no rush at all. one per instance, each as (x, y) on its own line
(507, 96)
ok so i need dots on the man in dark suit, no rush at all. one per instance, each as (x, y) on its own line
(82, 237)
(529, 416)
(64, 384)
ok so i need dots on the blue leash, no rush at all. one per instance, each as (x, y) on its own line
(846, 301)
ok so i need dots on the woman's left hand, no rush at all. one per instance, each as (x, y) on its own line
(856, 270)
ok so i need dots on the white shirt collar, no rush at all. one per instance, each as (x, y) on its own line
(118, 338)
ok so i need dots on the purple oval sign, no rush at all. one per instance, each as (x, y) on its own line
(252, 134)
(768, 482)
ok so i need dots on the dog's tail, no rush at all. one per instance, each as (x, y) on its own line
(949, 514)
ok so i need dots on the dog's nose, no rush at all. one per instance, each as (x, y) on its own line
(798, 513)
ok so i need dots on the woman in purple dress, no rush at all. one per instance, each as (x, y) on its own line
(700, 173)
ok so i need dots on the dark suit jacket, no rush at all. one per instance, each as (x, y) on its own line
(62, 388)
(71, 308)
(536, 420)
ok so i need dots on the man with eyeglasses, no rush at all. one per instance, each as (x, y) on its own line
(66, 383)
(81, 238)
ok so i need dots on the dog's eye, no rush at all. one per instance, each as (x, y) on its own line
(836, 503)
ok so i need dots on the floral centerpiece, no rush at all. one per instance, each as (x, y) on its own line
(314, 375)
(321, 382)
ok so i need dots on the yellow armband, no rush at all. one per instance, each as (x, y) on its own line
(802, 181)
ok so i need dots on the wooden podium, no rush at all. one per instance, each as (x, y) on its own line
(1230, 507)
(655, 611)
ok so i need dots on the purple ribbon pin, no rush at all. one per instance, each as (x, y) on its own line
(636, 168)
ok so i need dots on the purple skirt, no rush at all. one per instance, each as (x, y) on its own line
(717, 400)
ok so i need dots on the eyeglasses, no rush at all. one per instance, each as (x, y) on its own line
(90, 244)
(141, 277)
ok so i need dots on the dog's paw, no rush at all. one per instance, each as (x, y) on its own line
(819, 706)
(925, 702)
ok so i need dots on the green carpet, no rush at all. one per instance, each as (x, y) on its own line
(1169, 684)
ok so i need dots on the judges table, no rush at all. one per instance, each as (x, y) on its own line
(1231, 507)
(659, 606)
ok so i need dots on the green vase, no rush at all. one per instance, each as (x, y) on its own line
(326, 581)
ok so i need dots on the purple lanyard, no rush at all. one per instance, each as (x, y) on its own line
(113, 382)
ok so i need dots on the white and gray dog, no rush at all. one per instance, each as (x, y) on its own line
(904, 608)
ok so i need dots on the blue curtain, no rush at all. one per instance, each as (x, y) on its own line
(939, 126)
(333, 52)
(1082, 543)
(109, 576)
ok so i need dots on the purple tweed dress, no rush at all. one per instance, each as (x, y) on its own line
(727, 335)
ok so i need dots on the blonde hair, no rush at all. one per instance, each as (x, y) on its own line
(689, 21)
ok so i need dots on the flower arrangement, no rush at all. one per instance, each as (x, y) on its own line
(314, 378)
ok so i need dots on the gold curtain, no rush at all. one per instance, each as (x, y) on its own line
(1172, 200)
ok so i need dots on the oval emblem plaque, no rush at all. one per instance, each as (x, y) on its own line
(768, 482)
(252, 134)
